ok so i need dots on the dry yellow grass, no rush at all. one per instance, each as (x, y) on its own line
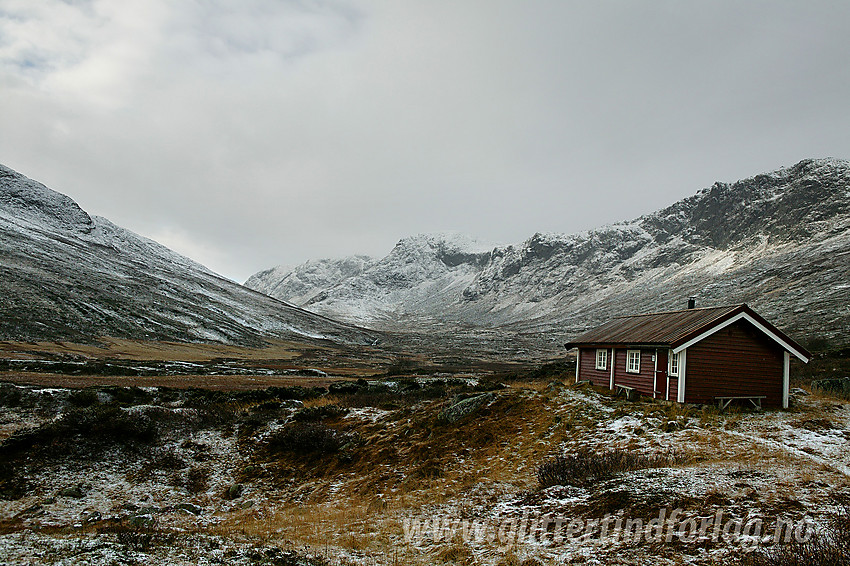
(119, 348)
(350, 523)
(405, 463)
(323, 401)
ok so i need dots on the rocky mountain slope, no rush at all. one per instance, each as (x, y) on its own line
(420, 277)
(779, 241)
(307, 280)
(65, 275)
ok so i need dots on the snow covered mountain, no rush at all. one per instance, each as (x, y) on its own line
(420, 277)
(779, 241)
(307, 280)
(65, 275)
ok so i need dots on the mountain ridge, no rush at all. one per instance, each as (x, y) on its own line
(774, 240)
(68, 275)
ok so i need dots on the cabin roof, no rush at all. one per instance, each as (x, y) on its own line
(680, 329)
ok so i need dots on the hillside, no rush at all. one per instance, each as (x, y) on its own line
(307, 280)
(421, 277)
(421, 472)
(65, 275)
(779, 241)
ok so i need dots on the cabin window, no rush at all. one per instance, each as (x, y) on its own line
(633, 361)
(601, 359)
(674, 364)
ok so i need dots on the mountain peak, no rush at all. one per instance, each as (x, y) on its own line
(775, 240)
(452, 241)
(29, 201)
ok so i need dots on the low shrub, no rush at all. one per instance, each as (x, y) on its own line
(83, 398)
(587, 466)
(128, 396)
(168, 460)
(307, 439)
(267, 407)
(81, 428)
(197, 479)
(829, 546)
(10, 395)
(402, 365)
(137, 539)
(234, 491)
(837, 386)
(458, 553)
(317, 413)
(111, 424)
(827, 371)
(98, 424)
(278, 557)
(141, 536)
(489, 384)
(404, 394)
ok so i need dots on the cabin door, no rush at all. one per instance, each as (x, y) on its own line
(660, 389)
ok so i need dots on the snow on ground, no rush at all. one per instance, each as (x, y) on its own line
(740, 467)
(770, 468)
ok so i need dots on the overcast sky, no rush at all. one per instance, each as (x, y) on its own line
(251, 133)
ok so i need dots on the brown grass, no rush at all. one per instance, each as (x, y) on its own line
(122, 349)
(456, 553)
(216, 382)
(414, 460)
(322, 401)
(351, 524)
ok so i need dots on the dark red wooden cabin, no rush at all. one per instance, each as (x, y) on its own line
(697, 355)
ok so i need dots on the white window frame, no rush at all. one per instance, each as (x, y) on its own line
(630, 354)
(601, 355)
(674, 371)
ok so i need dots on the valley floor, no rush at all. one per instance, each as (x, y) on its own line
(404, 471)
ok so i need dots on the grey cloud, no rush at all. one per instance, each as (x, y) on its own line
(247, 134)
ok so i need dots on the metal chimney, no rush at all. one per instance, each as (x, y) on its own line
(692, 302)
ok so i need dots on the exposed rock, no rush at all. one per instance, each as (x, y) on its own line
(34, 510)
(778, 241)
(465, 407)
(303, 283)
(91, 517)
(424, 271)
(234, 491)
(190, 508)
(76, 491)
(142, 521)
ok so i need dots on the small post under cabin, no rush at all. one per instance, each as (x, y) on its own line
(698, 355)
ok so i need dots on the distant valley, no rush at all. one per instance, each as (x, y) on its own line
(779, 241)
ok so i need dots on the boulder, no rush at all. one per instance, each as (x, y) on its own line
(465, 407)
(75, 491)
